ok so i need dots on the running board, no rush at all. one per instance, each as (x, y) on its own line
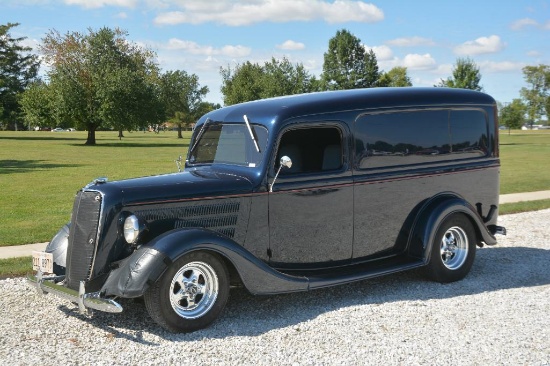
(358, 272)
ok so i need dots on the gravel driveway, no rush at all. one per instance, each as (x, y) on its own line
(499, 314)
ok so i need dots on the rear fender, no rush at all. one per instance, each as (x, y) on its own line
(433, 213)
(145, 266)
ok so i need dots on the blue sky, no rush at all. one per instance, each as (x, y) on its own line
(200, 36)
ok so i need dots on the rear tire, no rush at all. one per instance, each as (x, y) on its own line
(453, 250)
(191, 294)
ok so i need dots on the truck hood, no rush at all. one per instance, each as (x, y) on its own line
(188, 185)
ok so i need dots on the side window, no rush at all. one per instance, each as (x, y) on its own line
(469, 133)
(416, 137)
(412, 137)
(311, 150)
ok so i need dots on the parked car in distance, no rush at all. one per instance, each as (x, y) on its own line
(58, 129)
(289, 194)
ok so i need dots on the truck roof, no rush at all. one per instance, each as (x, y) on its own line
(269, 111)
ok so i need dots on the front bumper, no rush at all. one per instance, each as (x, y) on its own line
(91, 300)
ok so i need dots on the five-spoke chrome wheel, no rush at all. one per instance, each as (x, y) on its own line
(194, 290)
(190, 294)
(454, 248)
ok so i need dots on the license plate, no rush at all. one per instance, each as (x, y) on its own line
(42, 261)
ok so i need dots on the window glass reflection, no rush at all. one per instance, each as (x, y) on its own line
(416, 137)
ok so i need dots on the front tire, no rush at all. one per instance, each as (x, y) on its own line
(453, 250)
(191, 294)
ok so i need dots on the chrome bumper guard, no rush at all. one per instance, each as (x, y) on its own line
(92, 300)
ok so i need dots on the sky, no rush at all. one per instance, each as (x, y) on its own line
(200, 36)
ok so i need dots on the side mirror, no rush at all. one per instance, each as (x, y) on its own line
(284, 162)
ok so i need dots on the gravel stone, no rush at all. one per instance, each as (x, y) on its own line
(499, 314)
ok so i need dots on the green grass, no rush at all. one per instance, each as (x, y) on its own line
(40, 172)
(525, 161)
(15, 267)
(510, 208)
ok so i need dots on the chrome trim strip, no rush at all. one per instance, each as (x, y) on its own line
(92, 300)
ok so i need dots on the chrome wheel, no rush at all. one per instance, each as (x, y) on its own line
(454, 248)
(194, 290)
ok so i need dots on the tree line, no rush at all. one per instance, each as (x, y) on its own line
(99, 79)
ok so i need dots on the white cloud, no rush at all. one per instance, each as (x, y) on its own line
(491, 44)
(444, 69)
(31, 42)
(92, 4)
(122, 15)
(194, 48)
(280, 11)
(421, 81)
(415, 61)
(411, 42)
(522, 23)
(529, 22)
(534, 53)
(502, 66)
(383, 53)
(291, 45)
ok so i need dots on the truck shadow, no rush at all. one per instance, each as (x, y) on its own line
(247, 315)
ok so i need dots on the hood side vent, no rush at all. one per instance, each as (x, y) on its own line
(219, 217)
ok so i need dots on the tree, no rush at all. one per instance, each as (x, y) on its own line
(182, 95)
(18, 68)
(249, 81)
(513, 115)
(102, 80)
(284, 78)
(37, 105)
(242, 84)
(537, 95)
(346, 64)
(396, 77)
(466, 75)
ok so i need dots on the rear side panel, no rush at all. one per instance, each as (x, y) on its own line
(405, 157)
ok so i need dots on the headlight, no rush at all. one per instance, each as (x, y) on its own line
(131, 229)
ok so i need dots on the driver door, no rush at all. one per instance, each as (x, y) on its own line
(311, 206)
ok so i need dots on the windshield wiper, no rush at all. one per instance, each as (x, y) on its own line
(251, 133)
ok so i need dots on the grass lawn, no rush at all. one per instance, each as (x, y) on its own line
(15, 267)
(525, 161)
(40, 172)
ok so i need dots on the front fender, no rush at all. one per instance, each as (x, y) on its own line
(432, 214)
(148, 263)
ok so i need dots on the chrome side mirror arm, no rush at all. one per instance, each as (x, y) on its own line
(285, 162)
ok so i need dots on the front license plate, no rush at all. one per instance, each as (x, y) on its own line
(42, 261)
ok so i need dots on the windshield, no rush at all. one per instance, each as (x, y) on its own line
(228, 144)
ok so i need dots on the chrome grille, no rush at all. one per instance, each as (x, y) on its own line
(82, 237)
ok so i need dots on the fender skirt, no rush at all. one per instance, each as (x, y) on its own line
(133, 275)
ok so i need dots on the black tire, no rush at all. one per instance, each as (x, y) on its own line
(191, 294)
(453, 250)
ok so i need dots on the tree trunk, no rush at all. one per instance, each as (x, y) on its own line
(91, 135)
(120, 135)
(180, 136)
